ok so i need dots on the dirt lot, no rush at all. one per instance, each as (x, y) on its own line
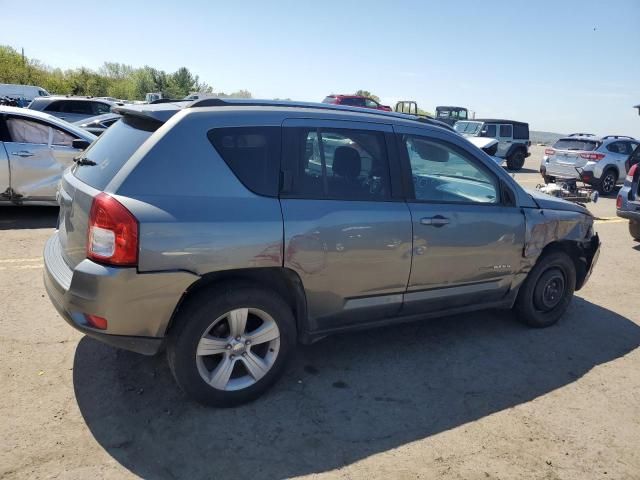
(474, 396)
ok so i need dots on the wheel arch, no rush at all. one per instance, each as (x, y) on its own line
(575, 251)
(514, 148)
(283, 281)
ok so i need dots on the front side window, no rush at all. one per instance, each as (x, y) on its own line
(61, 138)
(445, 174)
(340, 164)
(101, 108)
(489, 130)
(506, 131)
(252, 153)
(27, 131)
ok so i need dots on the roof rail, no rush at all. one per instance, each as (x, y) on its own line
(617, 137)
(580, 134)
(220, 102)
(165, 100)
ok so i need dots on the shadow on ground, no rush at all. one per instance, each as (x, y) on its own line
(343, 399)
(27, 217)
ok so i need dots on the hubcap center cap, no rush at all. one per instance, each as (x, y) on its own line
(237, 346)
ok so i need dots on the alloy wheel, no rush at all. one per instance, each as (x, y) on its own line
(238, 349)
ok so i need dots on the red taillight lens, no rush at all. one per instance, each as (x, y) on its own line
(596, 157)
(549, 151)
(113, 233)
(619, 201)
(96, 321)
(632, 171)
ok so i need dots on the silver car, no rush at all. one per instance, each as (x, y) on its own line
(70, 108)
(35, 148)
(599, 161)
(98, 124)
(228, 231)
(628, 200)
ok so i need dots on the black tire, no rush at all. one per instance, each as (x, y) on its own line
(536, 304)
(193, 321)
(607, 184)
(515, 161)
(634, 229)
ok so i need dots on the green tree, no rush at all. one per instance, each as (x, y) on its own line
(368, 94)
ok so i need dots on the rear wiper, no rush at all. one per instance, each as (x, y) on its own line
(84, 161)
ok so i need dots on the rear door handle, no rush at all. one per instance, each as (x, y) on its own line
(437, 221)
(22, 153)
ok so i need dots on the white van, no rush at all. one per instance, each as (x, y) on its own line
(28, 92)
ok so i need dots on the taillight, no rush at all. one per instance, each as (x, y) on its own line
(113, 233)
(596, 157)
(619, 201)
(549, 151)
(96, 322)
(631, 174)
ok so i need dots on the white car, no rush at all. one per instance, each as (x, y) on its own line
(27, 92)
(35, 148)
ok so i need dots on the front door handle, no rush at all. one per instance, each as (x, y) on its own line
(22, 153)
(437, 221)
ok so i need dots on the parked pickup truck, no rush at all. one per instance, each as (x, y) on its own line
(35, 148)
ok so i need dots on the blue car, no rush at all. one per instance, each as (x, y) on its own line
(628, 201)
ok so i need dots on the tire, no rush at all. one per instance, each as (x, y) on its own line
(537, 305)
(608, 182)
(515, 161)
(241, 370)
(634, 229)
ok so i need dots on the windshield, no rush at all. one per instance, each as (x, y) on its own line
(576, 144)
(468, 128)
(106, 156)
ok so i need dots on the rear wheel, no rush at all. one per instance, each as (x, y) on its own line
(547, 291)
(227, 348)
(608, 182)
(515, 161)
(634, 229)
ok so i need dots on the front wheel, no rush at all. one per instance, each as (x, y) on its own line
(515, 161)
(228, 347)
(634, 229)
(546, 293)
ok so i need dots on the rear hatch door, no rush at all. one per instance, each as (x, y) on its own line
(567, 155)
(90, 176)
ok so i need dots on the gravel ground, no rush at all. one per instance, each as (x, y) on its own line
(472, 396)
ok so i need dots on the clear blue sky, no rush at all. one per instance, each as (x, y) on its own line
(560, 65)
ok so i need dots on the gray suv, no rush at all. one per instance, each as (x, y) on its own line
(228, 231)
(70, 108)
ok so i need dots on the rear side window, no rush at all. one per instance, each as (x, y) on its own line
(354, 102)
(53, 106)
(521, 131)
(574, 144)
(337, 164)
(252, 153)
(506, 131)
(101, 108)
(112, 150)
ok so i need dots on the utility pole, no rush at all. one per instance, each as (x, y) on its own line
(23, 56)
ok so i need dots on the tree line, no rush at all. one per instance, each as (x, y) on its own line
(111, 80)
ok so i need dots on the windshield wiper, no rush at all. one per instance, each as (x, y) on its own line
(84, 161)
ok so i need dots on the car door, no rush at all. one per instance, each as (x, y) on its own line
(617, 156)
(347, 230)
(505, 139)
(468, 234)
(38, 154)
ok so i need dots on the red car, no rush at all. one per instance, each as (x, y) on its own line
(355, 101)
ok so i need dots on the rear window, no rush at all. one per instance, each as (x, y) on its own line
(575, 144)
(112, 150)
(329, 100)
(252, 153)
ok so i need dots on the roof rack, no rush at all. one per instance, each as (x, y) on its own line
(219, 102)
(617, 137)
(580, 134)
(166, 100)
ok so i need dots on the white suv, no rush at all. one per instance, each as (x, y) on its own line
(598, 161)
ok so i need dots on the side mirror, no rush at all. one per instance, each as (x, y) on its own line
(80, 144)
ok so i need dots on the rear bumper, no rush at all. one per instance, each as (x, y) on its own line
(137, 306)
(629, 215)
